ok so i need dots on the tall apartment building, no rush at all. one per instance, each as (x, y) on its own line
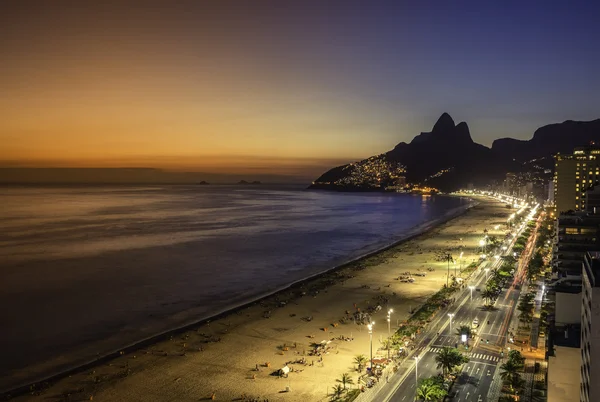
(590, 329)
(573, 175)
(577, 232)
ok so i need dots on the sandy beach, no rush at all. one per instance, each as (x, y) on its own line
(220, 357)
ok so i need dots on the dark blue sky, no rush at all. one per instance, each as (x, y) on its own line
(187, 84)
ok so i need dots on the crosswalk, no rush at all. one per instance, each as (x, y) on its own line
(479, 356)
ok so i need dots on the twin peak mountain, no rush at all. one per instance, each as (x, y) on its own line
(447, 158)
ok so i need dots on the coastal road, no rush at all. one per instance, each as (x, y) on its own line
(486, 349)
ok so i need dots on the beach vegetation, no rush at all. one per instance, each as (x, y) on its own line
(345, 379)
(361, 361)
(338, 390)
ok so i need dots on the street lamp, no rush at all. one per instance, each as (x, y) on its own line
(450, 315)
(460, 260)
(389, 319)
(370, 327)
(416, 374)
(448, 258)
(482, 244)
(471, 287)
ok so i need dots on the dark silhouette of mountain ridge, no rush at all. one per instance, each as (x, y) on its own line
(548, 140)
(447, 147)
(447, 157)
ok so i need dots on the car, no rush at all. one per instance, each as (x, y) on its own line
(475, 323)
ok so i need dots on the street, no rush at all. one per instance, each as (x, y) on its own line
(485, 351)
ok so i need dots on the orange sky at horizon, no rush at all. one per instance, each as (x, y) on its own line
(93, 91)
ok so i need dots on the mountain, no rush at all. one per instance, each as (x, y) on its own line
(549, 140)
(446, 158)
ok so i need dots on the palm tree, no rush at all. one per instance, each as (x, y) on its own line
(516, 383)
(464, 330)
(487, 294)
(448, 358)
(509, 373)
(360, 361)
(338, 390)
(517, 359)
(346, 379)
(430, 390)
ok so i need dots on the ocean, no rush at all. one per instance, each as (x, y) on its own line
(85, 271)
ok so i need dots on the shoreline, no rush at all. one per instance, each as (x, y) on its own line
(413, 233)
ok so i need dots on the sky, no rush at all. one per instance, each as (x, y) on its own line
(281, 86)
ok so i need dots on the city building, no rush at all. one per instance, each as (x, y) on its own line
(567, 304)
(590, 329)
(577, 232)
(550, 191)
(592, 200)
(563, 372)
(573, 175)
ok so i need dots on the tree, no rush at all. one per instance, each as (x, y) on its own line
(464, 330)
(430, 389)
(360, 361)
(517, 359)
(509, 369)
(338, 390)
(448, 358)
(487, 295)
(346, 379)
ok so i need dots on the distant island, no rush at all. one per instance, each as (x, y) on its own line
(446, 159)
(244, 182)
(203, 183)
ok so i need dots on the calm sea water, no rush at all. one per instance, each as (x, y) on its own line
(85, 271)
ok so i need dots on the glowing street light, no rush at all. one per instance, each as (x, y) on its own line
(389, 319)
(416, 373)
(450, 315)
(471, 287)
(370, 327)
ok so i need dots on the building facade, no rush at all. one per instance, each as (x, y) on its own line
(590, 329)
(577, 232)
(573, 175)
